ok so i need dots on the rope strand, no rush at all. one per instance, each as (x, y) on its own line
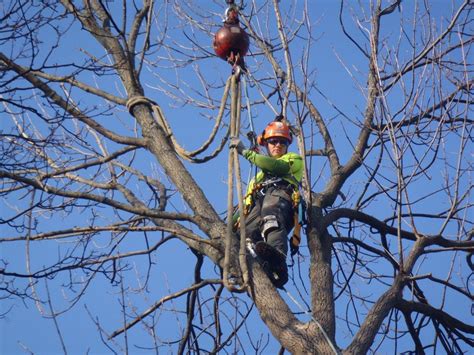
(160, 118)
(234, 172)
(333, 348)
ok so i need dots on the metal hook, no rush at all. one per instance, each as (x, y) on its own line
(229, 17)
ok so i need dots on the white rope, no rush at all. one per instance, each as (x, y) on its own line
(247, 100)
(249, 114)
(317, 323)
(235, 172)
(257, 84)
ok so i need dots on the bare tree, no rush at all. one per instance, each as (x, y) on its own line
(104, 104)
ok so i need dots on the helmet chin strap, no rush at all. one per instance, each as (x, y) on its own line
(270, 154)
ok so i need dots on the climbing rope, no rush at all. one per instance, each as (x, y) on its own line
(234, 172)
(247, 101)
(251, 134)
(333, 348)
(264, 96)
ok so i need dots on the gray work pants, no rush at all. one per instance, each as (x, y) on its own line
(274, 205)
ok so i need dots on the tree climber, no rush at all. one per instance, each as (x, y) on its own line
(269, 202)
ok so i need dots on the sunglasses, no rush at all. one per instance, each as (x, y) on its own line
(275, 141)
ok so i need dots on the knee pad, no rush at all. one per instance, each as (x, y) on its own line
(270, 223)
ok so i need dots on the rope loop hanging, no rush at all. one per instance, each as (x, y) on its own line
(161, 120)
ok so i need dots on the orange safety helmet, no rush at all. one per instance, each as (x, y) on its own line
(275, 129)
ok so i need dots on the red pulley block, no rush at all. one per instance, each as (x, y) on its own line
(230, 40)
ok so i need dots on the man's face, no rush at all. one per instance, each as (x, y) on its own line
(277, 146)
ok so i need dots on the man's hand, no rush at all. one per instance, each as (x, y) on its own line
(236, 143)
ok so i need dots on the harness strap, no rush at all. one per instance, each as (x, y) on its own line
(295, 239)
(298, 217)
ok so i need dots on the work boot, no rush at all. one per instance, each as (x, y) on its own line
(273, 262)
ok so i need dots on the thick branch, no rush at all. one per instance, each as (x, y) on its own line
(71, 80)
(145, 212)
(383, 228)
(373, 222)
(67, 106)
(434, 313)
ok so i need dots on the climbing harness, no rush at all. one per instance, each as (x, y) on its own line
(299, 208)
(299, 214)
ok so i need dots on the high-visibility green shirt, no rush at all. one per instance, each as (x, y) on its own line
(289, 167)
